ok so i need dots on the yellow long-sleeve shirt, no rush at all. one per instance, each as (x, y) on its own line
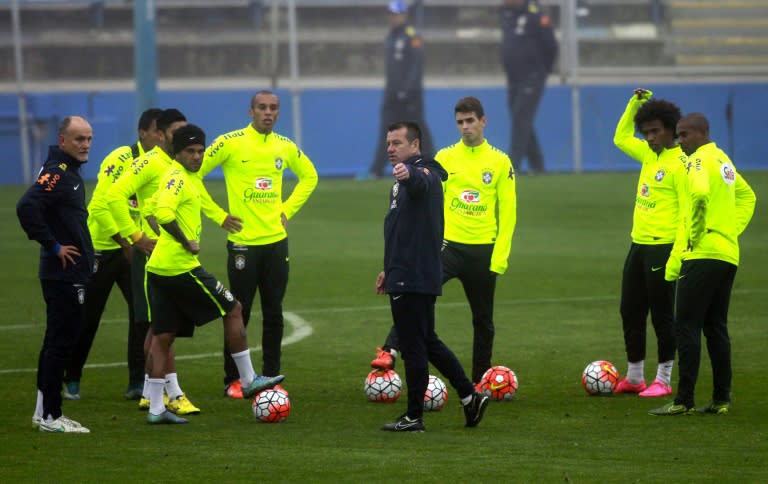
(253, 166)
(661, 186)
(720, 208)
(100, 222)
(480, 180)
(143, 179)
(178, 198)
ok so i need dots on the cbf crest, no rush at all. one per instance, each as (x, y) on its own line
(279, 163)
(395, 190)
(239, 262)
(659, 175)
(487, 177)
(80, 295)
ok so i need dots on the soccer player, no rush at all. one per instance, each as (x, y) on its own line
(253, 160)
(112, 265)
(52, 212)
(659, 202)
(476, 245)
(182, 294)
(413, 234)
(719, 208)
(142, 180)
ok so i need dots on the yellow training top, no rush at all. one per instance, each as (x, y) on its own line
(100, 222)
(253, 166)
(660, 186)
(480, 180)
(721, 206)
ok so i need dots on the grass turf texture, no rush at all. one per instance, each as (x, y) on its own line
(556, 310)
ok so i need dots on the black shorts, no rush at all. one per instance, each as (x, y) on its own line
(179, 303)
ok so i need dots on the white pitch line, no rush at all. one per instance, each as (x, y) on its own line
(301, 329)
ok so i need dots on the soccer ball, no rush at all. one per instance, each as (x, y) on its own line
(271, 406)
(383, 386)
(600, 378)
(436, 395)
(499, 383)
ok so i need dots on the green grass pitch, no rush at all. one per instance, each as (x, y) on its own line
(556, 310)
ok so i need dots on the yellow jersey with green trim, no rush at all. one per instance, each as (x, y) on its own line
(178, 198)
(100, 222)
(661, 186)
(253, 164)
(720, 207)
(481, 180)
(143, 179)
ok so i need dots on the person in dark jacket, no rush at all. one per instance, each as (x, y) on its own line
(412, 276)
(52, 212)
(528, 51)
(404, 90)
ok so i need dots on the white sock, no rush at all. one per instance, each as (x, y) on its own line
(244, 366)
(145, 390)
(635, 372)
(156, 385)
(467, 399)
(39, 404)
(172, 387)
(664, 371)
(393, 352)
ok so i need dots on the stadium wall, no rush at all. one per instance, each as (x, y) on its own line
(340, 125)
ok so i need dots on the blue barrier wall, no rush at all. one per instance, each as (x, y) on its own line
(340, 125)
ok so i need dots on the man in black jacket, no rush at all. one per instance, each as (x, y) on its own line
(52, 212)
(404, 90)
(412, 276)
(528, 50)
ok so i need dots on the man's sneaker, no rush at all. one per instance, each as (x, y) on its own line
(165, 418)
(62, 424)
(144, 403)
(134, 392)
(71, 391)
(716, 407)
(384, 360)
(234, 389)
(672, 408)
(182, 406)
(36, 419)
(405, 424)
(657, 389)
(473, 411)
(260, 383)
(625, 387)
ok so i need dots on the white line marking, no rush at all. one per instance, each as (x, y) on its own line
(301, 329)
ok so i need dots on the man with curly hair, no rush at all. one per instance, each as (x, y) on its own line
(659, 208)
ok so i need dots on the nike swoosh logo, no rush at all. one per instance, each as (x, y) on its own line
(497, 386)
(402, 426)
(656, 269)
(244, 161)
(395, 298)
(77, 186)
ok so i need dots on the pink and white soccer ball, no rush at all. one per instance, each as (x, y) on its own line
(600, 378)
(271, 406)
(436, 395)
(383, 386)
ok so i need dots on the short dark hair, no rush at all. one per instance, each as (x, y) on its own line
(168, 117)
(267, 92)
(412, 130)
(146, 118)
(469, 104)
(697, 121)
(666, 112)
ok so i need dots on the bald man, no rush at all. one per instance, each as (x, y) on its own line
(52, 212)
(720, 205)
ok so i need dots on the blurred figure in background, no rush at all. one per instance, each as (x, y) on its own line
(404, 91)
(528, 51)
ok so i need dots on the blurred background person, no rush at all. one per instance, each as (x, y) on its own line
(404, 90)
(528, 51)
